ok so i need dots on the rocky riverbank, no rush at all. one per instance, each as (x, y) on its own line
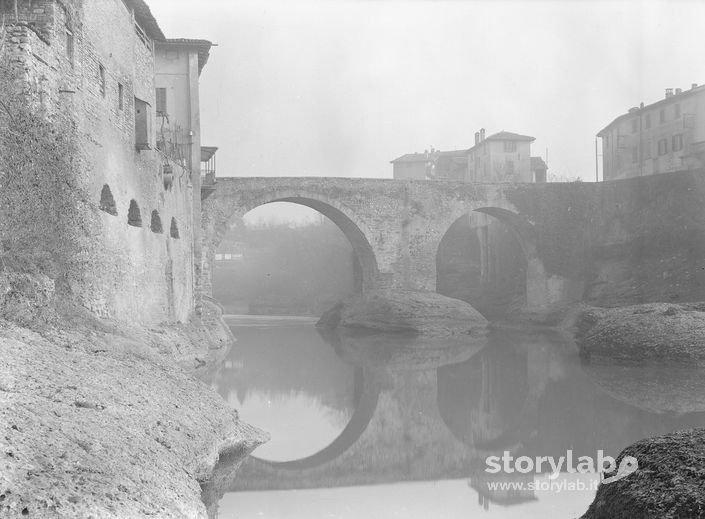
(653, 332)
(669, 483)
(106, 420)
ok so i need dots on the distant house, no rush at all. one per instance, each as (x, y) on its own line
(668, 135)
(539, 170)
(502, 157)
(431, 165)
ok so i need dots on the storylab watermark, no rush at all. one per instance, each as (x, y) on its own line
(600, 464)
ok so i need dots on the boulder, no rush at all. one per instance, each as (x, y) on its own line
(649, 332)
(669, 482)
(407, 311)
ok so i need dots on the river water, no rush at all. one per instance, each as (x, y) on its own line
(385, 426)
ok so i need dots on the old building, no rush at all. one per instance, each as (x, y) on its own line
(668, 135)
(431, 165)
(132, 96)
(501, 157)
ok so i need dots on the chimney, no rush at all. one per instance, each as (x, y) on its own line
(477, 138)
(679, 90)
(482, 134)
(669, 92)
(693, 85)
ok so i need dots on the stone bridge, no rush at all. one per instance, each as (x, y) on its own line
(633, 240)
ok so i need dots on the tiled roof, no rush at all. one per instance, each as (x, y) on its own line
(538, 163)
(145, 19)
(424, 157)
(203, 46)
(509, 136)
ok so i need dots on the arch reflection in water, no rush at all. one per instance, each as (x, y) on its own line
(290, 383)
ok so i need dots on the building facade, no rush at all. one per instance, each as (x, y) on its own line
(132, 97)
(665, 136)
(502, 157)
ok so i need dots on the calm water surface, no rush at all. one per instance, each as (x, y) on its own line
(383, 426)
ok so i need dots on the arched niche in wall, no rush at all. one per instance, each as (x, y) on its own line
(174, 230)
(107, 202)
(134, 217)
(156, 223)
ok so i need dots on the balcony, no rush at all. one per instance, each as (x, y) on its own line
(207, 171)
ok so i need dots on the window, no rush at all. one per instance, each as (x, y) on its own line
(677, 142)
(161, 101)
(677, 110)
(141, 125)
(509, 166)
(69, 45)
(647, 150)
(510, 146)
(635, 154)
(662, 116)
(101, 79)
(634, 125)
(174, 231)
(647, 122)
(121, 93)
(662, 147)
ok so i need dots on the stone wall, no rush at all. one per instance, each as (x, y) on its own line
(126, 272)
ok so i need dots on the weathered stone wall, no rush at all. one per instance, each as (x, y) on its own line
(632, 241)
(125, 272)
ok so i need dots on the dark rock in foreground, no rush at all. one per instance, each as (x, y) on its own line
(669, 483)
(407, 311)
(648, 332)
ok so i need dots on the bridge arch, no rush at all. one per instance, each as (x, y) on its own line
(466, 268)
(229, 204)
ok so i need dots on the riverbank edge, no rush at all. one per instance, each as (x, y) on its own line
(106, 419)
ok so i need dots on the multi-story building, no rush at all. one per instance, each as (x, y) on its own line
(502, 157)
(668, 135)
(132, 96)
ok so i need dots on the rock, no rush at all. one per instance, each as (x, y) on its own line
(97, 424)
(669, 483)
(331, 318)
(648, 332)
(410, 311)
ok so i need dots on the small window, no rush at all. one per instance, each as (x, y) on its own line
(635, 125)
(69, 45)
(134, 217)
(662, 116)
(635, 154)
(107, 202)
(121, 96)
(510, 146)
(101, 79)
(156, 223)
(677, 142)
(663, 147)
(174, 231)
(141, 124)
(509, 166)
(647, 121)
(161, 101)
(677, 110)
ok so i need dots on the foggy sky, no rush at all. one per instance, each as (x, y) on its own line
(340, 88)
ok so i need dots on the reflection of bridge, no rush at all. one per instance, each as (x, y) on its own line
(577, 238)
